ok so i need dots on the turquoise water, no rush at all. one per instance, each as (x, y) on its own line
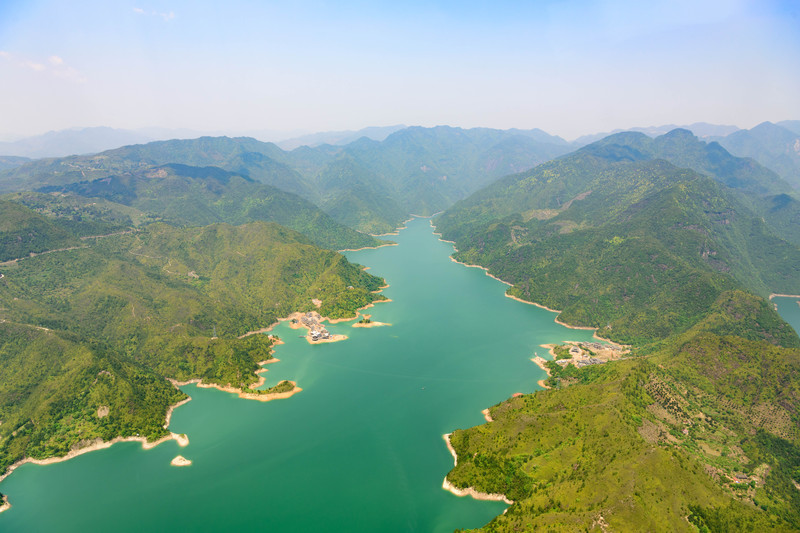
(359, 449)
(789, 309)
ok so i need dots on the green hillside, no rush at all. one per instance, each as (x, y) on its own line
(23, 232)
(775, 147)
(681, 148)
(186, 195)
(99, 328)
(358, 198)
(677, 265)
(371, 186)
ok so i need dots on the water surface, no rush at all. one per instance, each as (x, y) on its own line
(359, 449)
(789, 309)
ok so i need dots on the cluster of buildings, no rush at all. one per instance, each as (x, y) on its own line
(316, 331)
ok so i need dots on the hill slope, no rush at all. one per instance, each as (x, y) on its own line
(186, 195)
(88, 336)
(667, 260)
(370, 185)
(773, 146)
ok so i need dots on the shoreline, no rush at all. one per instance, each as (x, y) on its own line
(556, 320)
(244, 395)
(469, 491)
(297, 314)
(369, 324)
(396, 230)
(771, 296)
(541, 362)
(370, 247)
(97, 444)
(181, 439)
(180, 460)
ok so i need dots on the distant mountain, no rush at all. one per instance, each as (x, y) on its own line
(370, 185)
(791, 125)
(536, 193)
(7, 162)
(69, 142)
(681, 148)
(430, 168)
(775, 147)
(197, 196)
(700, 129)
(376, 133)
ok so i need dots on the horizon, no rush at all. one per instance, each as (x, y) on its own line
(569, 69)
(277, 137)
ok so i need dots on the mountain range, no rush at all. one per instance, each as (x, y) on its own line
(413, 171)
(655, 243)
(151, 260)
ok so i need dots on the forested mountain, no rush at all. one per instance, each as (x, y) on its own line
(377, 133)
(677, 264)
(775, 147)
(369, 185)
(89, 335)
(23, 232)
(186, 195)
(72, 141)
(791, 125)
(11, 161)
(703, 130)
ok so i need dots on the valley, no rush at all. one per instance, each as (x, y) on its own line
(661, 255)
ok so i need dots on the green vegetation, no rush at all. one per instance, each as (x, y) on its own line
(772, 145)
(368, 185)
(23, 232)
(184, 195)
(89, 335)
(699, 430)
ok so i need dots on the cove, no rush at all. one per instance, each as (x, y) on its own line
(360, 449)
(789, 309)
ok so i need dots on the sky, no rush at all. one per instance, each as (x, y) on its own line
(569, 67)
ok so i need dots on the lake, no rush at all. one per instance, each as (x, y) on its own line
(359, 449)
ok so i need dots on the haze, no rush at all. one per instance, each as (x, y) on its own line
(569, 68)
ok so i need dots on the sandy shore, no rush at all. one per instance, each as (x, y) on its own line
(541, 362)
(369, 324)
(4, 505)
(396, 230)
(371, 247)
(469, 491)
(180, 460)
(181, 439)
(171, 409)
(97, 444)
(240, 392)
(771, 296)
(486, 415)
(485, 270)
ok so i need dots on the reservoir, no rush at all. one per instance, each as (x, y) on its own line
(789, 309)
(360, 449)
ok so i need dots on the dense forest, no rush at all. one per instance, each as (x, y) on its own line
(90, 333)
(698, 428)
(147, 262)
(367, 185)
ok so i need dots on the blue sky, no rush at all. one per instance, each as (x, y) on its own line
(567, 67)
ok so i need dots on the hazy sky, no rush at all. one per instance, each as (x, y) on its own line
(567, 67)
